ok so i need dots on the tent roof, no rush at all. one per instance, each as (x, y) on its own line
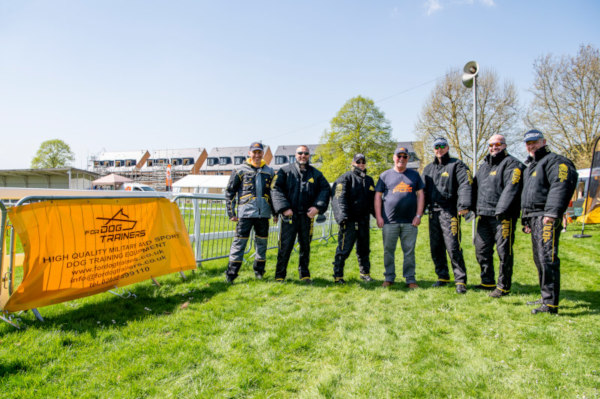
(205, 181)
(111, 180)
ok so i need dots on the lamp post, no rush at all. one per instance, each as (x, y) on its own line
(469, 79)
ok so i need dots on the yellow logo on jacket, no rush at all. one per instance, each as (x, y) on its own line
(493, 173)
(563, 172)
(516, 177)
(445, 174)
(311, 180)
(338, 190)
(371, 188)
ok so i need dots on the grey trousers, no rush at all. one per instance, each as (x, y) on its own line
(408, 238)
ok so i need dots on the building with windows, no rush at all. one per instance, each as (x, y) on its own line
(223, 160)
(286, 154)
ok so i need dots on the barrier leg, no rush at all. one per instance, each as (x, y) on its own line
(126, 294)
(7, 319)
(37, 315)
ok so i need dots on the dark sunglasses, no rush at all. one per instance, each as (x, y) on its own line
(303, 153)
(440, 146)
(361, 161)
(402, 156)
(496, 144)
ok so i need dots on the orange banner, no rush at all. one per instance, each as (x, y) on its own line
(75, 248)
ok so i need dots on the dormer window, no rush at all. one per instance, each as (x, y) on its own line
(224, 160)
(212, 161)
(280, 159)
(238, 160)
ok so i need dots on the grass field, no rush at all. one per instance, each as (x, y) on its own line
(203, 338)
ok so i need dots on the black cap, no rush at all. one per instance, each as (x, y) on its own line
(440, 141)
(358, 157)
(401, 150)
(256, 146)
(533, 135)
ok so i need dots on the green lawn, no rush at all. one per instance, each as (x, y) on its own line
(203, 338)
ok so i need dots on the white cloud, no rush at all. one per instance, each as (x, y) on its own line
(433, 6)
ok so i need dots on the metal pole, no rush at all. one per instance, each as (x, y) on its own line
(474, 170)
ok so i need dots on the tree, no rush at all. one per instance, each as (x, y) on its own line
(449, 113)
(566, 106)
(52, 154)
(358, 127)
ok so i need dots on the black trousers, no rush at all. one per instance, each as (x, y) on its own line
(300, 226)
(351, 232)
(501, 233)
(544, 240)
(238, 246)
(444, 236)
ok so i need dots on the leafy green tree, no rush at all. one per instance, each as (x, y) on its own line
(566, 103)
(358, 127)
(52, 154)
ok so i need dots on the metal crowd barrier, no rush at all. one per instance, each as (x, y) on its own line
(211, 232)
(205, 218)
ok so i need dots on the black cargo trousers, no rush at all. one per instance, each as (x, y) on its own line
(544, 240)
(350, 232)
(444, 235)
(501, 233)
(238, 246)
(301, 226)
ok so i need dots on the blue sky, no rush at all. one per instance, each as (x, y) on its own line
(127, 75)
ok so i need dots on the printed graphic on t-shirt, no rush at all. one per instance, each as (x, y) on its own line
(402, 188)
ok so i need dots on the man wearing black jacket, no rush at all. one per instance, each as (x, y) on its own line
(448, 196)
(352, 204)
(497, 195)
(300, 192)
(549, 183)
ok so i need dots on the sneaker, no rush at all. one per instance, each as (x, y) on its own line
(440, 283)
(533, 303)
(258, 276)
(307, 281)
(486, 287)
(413, 286)
(545, 309)
(280, 280)
(497, 293)
(366, 277)
(387, 284)
(228, 279)
(340, 281)
(461, 289)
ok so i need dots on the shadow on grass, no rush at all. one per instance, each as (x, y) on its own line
(117, 311)
(12, 368)
(588, 301)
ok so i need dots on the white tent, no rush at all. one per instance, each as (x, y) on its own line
(113, 180)
(201, 184)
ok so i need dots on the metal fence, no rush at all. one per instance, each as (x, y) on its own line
(205, 217)
(211, 232)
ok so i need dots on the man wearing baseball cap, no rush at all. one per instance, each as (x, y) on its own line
(352, 204)
(399, 205)
(448, 196)
(249, 188)
(548, 184)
